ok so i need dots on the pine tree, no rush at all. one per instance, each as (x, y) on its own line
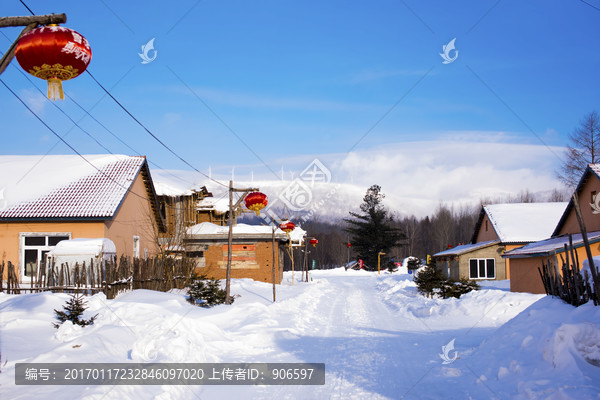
(372, 231)
(73, 310)
(205, 292)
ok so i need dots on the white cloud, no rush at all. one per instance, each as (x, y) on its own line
(34, 100)
(417, 176)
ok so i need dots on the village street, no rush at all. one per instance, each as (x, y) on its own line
(376, 335)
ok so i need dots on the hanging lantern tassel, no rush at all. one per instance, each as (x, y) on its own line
(55, 89)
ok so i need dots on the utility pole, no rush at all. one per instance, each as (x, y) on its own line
(381, 253)
(231, 220)
(30, 23)
(274, 228)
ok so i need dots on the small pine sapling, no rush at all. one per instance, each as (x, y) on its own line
(206, 292)
(73, 310)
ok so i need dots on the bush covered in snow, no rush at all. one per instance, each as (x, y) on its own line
(412, 263)
(73, 311)
(431, 282)
(206, 292)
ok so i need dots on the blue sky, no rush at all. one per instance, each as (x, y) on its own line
(301, 80)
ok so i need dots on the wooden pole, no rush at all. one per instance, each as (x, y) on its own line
(229, 244)
(30, 19)
(29, 22)
(274, 295)
(584, 236)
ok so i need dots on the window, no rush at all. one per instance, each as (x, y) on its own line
(136, 246)
(33, 250)
(482, 268)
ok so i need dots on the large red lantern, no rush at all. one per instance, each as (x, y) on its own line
(55, 54)
(256, 201)
(287, 227)
(314, 242)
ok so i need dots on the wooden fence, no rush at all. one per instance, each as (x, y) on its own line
(111, 277)
(572, 286)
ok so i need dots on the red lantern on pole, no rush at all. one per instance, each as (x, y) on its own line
(55, 54)
(256, 201)
(287, 227)
(349, 244)
(314, 242)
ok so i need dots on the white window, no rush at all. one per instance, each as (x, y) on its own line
(136, 246)
(33, 249)
(482, 268)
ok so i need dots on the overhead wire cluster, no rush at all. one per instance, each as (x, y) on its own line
(75, 123)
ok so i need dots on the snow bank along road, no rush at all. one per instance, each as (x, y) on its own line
(378, 338)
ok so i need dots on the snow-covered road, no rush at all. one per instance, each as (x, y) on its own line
(378, 338)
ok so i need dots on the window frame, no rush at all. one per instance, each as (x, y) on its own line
(42, 250)
(482, 263)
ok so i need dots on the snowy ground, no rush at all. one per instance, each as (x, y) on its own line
(378, 338)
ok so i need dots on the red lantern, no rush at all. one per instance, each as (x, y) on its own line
(314, 242)
(55, 54)
(256, 201)
(349, 244)
(287, 227)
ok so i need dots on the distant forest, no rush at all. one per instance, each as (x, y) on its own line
(449, 226)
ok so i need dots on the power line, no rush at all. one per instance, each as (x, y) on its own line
(140, 124)
(69, 145)
(152, 134)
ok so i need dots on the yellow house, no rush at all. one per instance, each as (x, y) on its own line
(526, 260)
(46, 199)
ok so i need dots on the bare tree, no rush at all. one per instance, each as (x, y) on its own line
(584, 149)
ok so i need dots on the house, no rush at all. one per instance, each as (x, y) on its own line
(499, 228)
(183, 207)
(47, 199)
(526, 260)
(471, 260)
(252, 251)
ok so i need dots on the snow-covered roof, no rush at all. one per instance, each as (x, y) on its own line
(218, 205)
(208, 230)
(297, 235)
(465, 248)
(65, 186)
(164, 188)
(83, 246)
(550, 246)
(524, 222)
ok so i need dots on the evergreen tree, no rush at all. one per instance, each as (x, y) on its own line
(73, 310)
(206, 292)
(373, 231)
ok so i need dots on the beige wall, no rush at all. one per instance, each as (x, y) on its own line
(459, 265)
(592, 221)
(10, 233)
(134, 218)
(486, 252)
